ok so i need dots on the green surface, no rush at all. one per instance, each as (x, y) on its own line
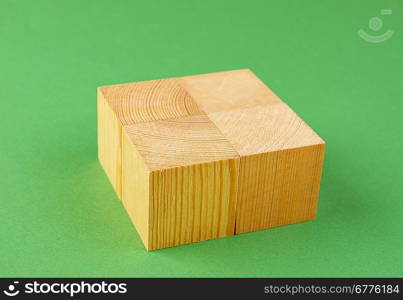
(59, 214)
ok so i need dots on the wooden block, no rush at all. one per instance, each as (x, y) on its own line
(131, 103)
(180, 179)
(281, 165)
(207, 156)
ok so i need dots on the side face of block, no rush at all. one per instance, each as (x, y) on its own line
(109, 143)
(280, 169)
(193, 181)
(228, 90)
(136, 188)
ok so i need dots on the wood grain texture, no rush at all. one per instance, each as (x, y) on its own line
(180, 142)
(264, 128)
(193, 180)
(109, 143)
(193, 203)
(207, 156)
(223, 91)
(278, 188)
(149, 101)
(136, 188)
(281, 164)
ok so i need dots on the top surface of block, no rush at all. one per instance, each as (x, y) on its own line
(149, 101)
(224, 91)
(265, 128)
(179, 142)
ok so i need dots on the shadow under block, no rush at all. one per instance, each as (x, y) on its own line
(207, 156)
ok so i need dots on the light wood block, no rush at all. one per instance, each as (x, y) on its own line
(192, 181)
(281, 165)
(131, 103)
(207, 156)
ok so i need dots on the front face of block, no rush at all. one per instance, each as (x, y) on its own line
(193, 203)
(207, 156)
(278, 188)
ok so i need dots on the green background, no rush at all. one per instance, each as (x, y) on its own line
(59, 214)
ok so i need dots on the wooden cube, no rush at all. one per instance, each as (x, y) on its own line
(207, 156)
